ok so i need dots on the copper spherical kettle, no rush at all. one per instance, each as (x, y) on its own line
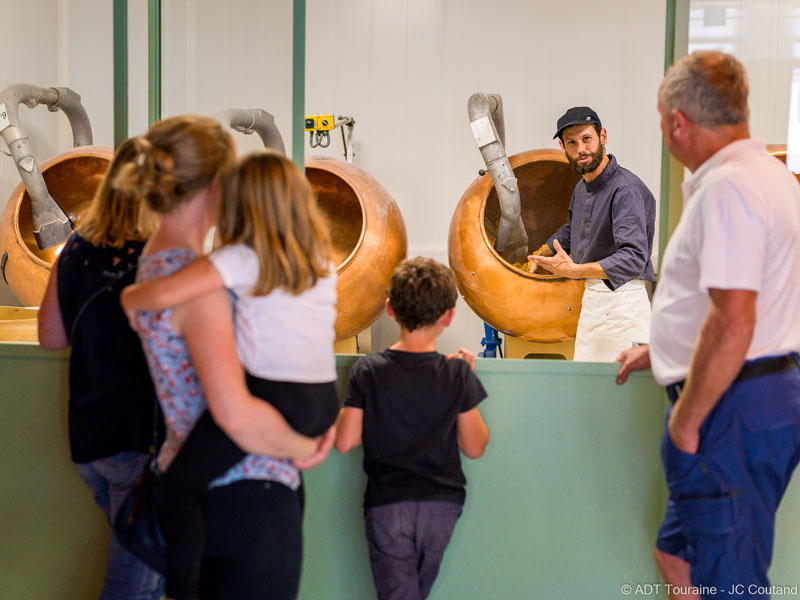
(367, 230)
(42, 210)
(368, 235)
(539, 308)
(71, 178)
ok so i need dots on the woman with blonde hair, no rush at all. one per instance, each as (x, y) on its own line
(110, 391)
(239, 538)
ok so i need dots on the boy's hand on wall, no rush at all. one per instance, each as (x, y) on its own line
(465, 355)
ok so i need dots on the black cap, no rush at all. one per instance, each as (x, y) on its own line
(577, 115)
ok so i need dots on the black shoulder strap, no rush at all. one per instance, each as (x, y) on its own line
(115, 278)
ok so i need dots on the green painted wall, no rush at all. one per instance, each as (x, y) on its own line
(565, 503)
(53, 538)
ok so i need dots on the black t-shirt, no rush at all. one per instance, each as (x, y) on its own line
(111, 395)
(411, 403)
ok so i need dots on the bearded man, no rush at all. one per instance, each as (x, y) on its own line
(607, 241)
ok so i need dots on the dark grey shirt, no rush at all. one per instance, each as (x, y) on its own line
(611, 221)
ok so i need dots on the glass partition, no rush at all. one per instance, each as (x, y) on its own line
(765, 36)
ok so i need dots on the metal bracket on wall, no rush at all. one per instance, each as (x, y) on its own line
(320, 126)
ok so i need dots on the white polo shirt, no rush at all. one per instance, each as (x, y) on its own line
(740, 229)
(280, 336)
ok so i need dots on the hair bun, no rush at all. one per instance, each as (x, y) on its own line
(150, 175)
(174, 160)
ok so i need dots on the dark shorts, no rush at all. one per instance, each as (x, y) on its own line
(406, 543)
(722, 501)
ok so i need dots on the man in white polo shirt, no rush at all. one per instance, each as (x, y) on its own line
(724, 338)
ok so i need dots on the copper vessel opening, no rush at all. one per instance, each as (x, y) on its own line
(545, 188)
(71, 179)
(368, 237)
(72, 184)
(534, 307)
(343, 211)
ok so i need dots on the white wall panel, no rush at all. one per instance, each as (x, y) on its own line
(87, 36)
(235, 54)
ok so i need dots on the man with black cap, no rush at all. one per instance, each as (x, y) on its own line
(607, 241)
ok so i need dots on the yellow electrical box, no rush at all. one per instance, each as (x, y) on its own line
(325, 122)
(319, 123)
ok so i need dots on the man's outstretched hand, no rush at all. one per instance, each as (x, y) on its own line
(559, 264)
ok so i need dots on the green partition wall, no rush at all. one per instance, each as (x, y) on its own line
(565, 503)
(52, 537)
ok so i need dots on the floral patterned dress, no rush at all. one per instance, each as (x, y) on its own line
(178, 386)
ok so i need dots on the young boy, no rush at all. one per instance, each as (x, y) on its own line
(413, 408)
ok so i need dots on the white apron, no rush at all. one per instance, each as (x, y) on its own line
(611, 322)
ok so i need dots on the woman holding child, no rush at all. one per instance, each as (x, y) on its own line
(252, 511)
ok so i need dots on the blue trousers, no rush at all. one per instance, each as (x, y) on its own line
(110, 479)
(722, 501)
(406, 543)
